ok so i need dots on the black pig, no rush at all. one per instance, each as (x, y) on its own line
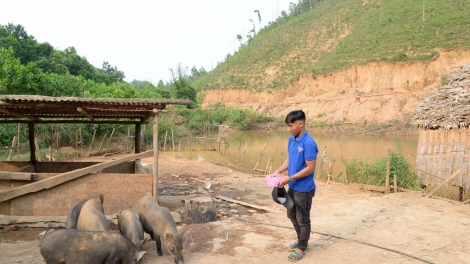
(158, 222)
(74, 246)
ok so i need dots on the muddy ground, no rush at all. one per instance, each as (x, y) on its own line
(427, 228)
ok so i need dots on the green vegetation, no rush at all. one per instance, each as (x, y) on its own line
(373, 173)
(318, 37)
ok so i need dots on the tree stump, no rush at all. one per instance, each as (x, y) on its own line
(200, 210)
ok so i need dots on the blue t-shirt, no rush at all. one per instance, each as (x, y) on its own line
(301, 149)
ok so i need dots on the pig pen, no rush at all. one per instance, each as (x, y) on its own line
(122, 186)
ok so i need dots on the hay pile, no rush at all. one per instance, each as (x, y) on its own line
(449, 106)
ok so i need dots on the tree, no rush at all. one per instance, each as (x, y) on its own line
(183, 89)
(259, 18)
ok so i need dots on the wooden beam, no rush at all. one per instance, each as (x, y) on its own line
(85, 113)
(17, 176)
(247, 204)
(8, 112)
(64, 177)
(444, 182)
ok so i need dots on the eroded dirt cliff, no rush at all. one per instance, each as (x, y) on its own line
(363, 94)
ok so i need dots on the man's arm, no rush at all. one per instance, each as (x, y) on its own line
(301, 174)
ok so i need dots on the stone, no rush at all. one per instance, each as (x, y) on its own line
(233, 211)
(233, 205)
(238, 198)
(251, 211)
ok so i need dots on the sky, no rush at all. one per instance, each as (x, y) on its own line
(143, 38)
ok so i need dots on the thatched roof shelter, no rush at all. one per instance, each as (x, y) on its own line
(449, 106)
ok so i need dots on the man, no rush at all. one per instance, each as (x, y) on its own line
(300, 166)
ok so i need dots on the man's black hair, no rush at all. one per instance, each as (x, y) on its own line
(295, 115)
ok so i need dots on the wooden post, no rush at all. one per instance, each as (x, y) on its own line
(164, 141)
(76, 139)
(243, 155)
(137, 138)
(13, 144)
(32, 145)
(172, 140)
(18, 142)
(179, 146)
(50, 153)
(395, 186)
(260, 156)
(387, 173)
(155, 156)
(102, 141)
(92, 141)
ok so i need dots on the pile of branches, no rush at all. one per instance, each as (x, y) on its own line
(449, 106)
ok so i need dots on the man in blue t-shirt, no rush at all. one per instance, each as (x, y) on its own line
(300, 166)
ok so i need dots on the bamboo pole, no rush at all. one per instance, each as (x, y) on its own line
(18, 142)
(243, 156)
(155, 156)
(13, 144)
(395, 186)
(81, 139)
(37, 149)
(238, 152)
(102, 141)
(172, 140)
(164, 141)
(270, 161)
(92, 141)
(262, 152)
(387, 172)
(110, 138)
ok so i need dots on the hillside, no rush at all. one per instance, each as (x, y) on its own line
(347, 50)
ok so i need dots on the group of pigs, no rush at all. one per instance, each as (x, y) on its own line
(88, 238)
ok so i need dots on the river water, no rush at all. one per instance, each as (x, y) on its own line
(244, 150)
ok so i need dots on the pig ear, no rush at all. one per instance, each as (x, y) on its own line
(139, 255)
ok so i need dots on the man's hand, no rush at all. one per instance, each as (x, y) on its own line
(284, 180)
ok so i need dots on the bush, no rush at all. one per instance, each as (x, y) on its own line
(374, 173)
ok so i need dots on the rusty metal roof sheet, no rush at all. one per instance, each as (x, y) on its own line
(37, 108)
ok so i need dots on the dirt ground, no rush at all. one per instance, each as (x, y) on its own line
(431, 229)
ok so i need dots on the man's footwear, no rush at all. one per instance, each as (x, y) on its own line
(293, 246)
(295, 256)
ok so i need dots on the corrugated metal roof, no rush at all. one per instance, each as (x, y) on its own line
(108, 101)
(34, 107)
